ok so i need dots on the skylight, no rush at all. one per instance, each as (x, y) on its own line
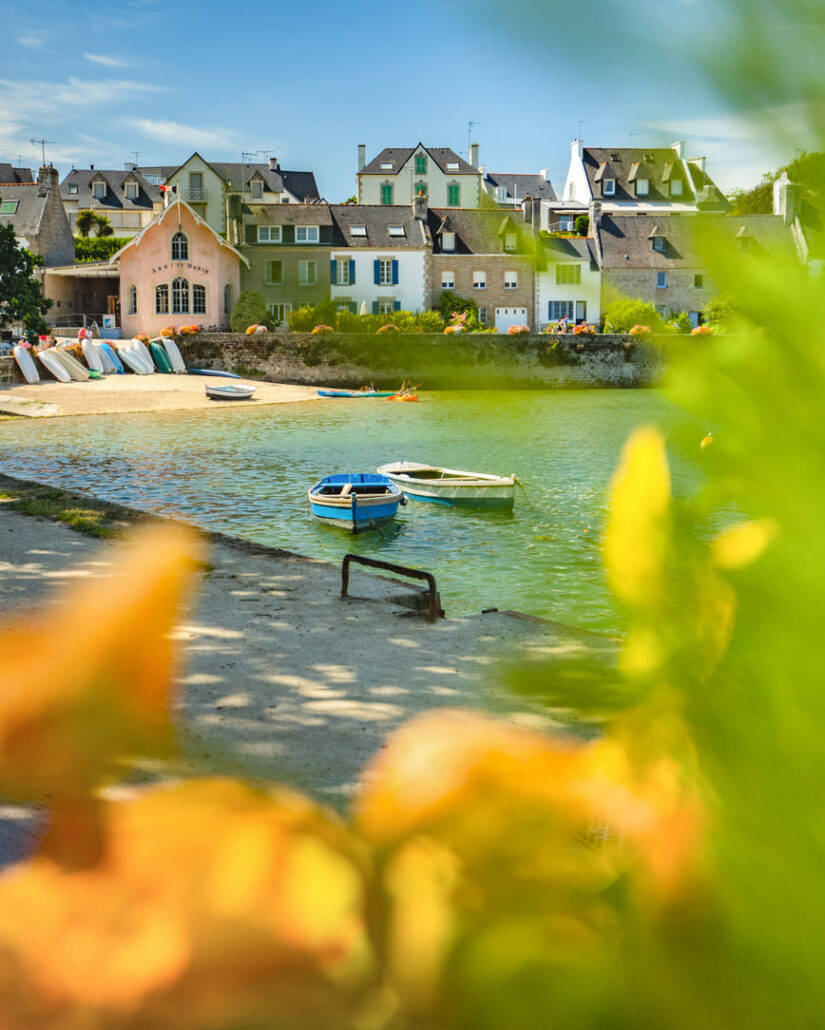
(396, 230)
(358, 230)
(9, 207)
(452, 166)
(386, 166)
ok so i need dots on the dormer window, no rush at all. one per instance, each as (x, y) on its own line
(501, 193)
(510, 242)
(642, 187)
(306, 234)
(448, 241)
(609, 188)
(649, 158)
(658, 242)
(99, 189)
(131, 191)
(180, 247)
(72, 189)
(676, 187)
(615, 157)
(420, 164)
(257, 189)
(269, 234)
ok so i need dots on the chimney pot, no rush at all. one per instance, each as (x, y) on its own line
(362, 156)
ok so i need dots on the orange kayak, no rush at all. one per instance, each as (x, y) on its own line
(403, 397)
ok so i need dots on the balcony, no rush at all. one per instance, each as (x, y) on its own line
(192, 196)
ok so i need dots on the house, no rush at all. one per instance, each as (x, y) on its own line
(127, 198)
(287, 251)
(509, 189)
(568, 282)
(640, 179)
(398, 174)
(655, 257)
(177, 271)
(379, 257)
(487, 256)
(204, 185)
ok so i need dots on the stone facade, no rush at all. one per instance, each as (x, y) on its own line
(680, 294)
(461, 269)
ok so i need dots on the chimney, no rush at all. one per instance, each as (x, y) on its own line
(785, 198)
(419, 206)
(679, 147)
(91, 168)
(527, 209)
(474, 155)
(595, 214)
(48, 177)
(273, 164)
(362, 156)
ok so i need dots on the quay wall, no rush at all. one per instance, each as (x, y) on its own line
(7, 367)
(474, 361)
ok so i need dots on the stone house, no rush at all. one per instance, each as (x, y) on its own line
(126, 197)
(486, 256)
(398, 174)
(177, 271)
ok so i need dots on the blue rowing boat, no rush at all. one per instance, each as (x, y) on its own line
(355, 501)
(355, 393)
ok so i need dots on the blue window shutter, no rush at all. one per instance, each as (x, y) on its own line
(395, 273)
(550, 309)
(376, 270)
(351, 271)
(375, 307)
(333, 271)
(396, 305)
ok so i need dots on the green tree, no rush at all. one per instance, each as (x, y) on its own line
(21, 295)
(85, 222)
(104, 226)
(250, 309)
(581, 225)
(756, 201)
(451, 303)
(621, 315)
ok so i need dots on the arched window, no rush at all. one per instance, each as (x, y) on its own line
(180, 247)
(198, 299)
(162, 300)
(133, 299)
(227, 299)
(180, 297)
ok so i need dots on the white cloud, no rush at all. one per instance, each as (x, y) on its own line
(107, 61)
(35, 40)
(188, 135)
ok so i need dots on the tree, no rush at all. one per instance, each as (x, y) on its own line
(85, 222)
(581, 225)
(807, 170)
(104, 226)
(621, 315)
(756, 201)
(21, 295)
(450, 304)
(250, 309)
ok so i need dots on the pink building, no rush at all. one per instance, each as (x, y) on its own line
(177, 271)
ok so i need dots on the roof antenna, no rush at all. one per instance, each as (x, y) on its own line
(43, 143)
(138, 155)
(470, 126)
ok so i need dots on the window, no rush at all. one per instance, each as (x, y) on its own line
(162, 300)
(453, 194)
(448, 241)
(396, 230)
(661, 280)
(421, 188)
(609, 188)
(99, 190)
(9, 207)
(257, 189)
(420, 164)
(269, 234)
(698, 281)
(676, 188)
(385, 272)
(358, 230)
(660, 310)
(227, 299)
(386, 166)
(180, 247)
(307, 273)
(568, 275)
(642, 187)
(510, 242)
(285, 200)
(278, 310)
(131, 191)
(133, 300)
(501, 193)
(452, 166)
(72, 189)
(343, 271)
(658, 243)
(510, 280)
(274, 273)
(386, 193)
(615, 157)
(196, 180)
(156, 180)
(557, 309)
(448, 280)
(306, 234)
(180, 297)
(386, 306)
(482, 315)
(479, 280)
(198, 299)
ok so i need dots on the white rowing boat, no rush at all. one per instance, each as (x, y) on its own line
(451, 486)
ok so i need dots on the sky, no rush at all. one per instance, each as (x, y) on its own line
(154, 80)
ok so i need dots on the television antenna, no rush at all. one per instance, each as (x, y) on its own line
(138, 155)
(42, 143)
(470, 126)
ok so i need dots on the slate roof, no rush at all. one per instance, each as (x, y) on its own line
(520, 186)
(8, 173)
(441, 156)
(376, 218)
(630, 235)
(161, 171)
(148, 195)
(478, 231)
(301, 185)
(659, 165)
(572, 249)
(31, 205)
(813, 226)
(288, 214)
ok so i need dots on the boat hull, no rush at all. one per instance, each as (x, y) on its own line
(230, 393)
(467, 489)
(352, 394)
(355, 501)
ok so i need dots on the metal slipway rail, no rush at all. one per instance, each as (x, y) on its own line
(434, 609)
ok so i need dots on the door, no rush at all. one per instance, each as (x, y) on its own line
(581, 311)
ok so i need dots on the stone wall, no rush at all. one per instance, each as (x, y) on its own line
(475, 361)
(7, 367)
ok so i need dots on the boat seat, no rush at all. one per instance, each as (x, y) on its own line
(346, 489)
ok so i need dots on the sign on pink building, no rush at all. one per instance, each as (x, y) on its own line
(177, 271)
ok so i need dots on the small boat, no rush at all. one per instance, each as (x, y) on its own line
(212, 372)
(355, 501)
(355, 393)
(50, 361)
(26, 364)
(160, 357)
(451, 486)
(403, 397)
(230, 392)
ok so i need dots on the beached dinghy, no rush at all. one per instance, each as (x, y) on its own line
(26, 364)
(355, 501)
(52, 363)
(451, 486)
(230, 392)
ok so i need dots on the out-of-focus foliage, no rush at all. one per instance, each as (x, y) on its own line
(806, 170)
(621, 314)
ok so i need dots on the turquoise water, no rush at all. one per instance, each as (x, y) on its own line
(246, 471)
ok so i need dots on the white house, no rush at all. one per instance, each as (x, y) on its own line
(569, 283)
(397, 175)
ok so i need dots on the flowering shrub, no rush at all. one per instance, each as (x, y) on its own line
(256, 330)
(389, 328)
(640, 330)
(168, 331)
(450, 329)
(189, 330)
(701, 330)
(584, 330)
(322, 330)
(518, 330)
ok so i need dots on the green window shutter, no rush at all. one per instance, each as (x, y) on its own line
(453, 194)
(353, 308)
(288, 235)
(375, 307)
(325, 234)
(251, 233)
(396, 305)
(386, 193)
(420, 164)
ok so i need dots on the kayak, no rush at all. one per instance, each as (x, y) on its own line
(212, 372)
(354, 393)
